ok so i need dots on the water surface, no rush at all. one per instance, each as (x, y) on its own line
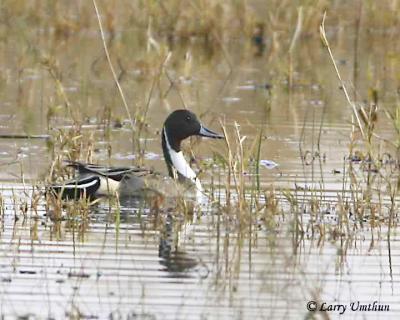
(129, 261)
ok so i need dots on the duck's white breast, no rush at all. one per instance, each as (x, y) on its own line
(108, 186)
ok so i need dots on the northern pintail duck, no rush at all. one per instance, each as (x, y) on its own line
(96, 180)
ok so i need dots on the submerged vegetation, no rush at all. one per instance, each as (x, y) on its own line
(311, 86)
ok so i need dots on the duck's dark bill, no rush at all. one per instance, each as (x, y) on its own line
(204, 132)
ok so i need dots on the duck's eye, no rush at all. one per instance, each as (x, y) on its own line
(188, 118)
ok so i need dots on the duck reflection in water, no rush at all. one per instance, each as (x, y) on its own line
(172, 258)
(171, 226)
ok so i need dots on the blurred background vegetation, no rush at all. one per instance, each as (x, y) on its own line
(63, 37)
(196, 54)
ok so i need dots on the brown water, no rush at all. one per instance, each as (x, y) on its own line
(165, 266)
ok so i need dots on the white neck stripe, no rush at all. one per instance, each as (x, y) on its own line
(179, 163)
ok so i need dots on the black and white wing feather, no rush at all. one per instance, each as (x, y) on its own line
(79, 188)
(115, 173)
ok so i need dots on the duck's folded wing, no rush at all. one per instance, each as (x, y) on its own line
(84, 187)
(116, 173)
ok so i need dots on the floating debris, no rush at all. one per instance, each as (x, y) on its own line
(269, 164)
(247, 87)
(357, 157)
(25, 136)
(152, 156)
(316, 102)
(231, 99)
(124, 156)
(27, 272)
(78, 275)
(253, 86)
